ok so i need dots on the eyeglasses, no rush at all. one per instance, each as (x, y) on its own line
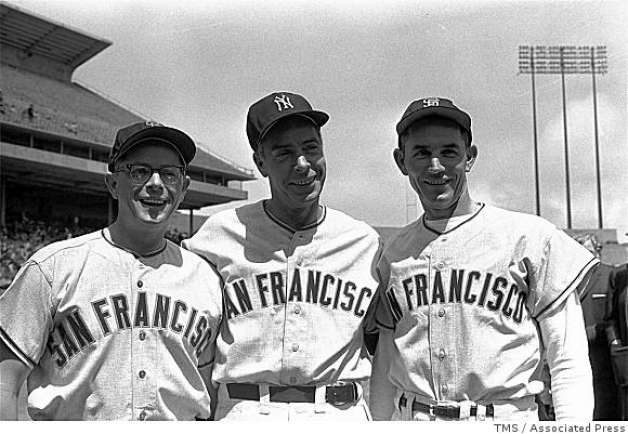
(140, 173)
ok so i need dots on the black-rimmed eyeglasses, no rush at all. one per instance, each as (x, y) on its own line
(140, 173)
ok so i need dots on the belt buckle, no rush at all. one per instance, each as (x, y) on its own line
(333, 395)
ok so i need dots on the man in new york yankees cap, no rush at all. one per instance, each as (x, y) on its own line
(119, 323)
(298, 280)
(473, 294)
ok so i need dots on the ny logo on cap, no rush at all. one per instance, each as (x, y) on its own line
(151, 124)
(428, 102)
(283, 102)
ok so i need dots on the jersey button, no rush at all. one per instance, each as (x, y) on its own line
(441, 312)
(140, 283)
(297, 310)
(440, 265)
(295, 347)
(142, 415)
(142, 374)
(142, 335)
(441, 354)
(444, 389)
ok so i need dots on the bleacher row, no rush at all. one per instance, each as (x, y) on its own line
(31, 116)
(59, 107)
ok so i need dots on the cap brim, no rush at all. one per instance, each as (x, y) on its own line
(181, 141)
(318, 118)
(446, 112)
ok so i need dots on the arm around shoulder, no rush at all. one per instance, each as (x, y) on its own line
(381, 391)
(13, 373)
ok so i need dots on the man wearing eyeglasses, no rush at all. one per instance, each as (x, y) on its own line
(118, 324)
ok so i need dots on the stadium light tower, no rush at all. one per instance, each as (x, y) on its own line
(565, 59)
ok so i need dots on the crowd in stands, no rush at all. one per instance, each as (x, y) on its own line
(21, 238)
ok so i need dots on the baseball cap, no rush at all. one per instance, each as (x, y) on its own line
(278, 105)
(434, 106)
(131, 135)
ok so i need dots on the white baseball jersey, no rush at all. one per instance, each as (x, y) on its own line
(110, 335)
(463, 299)
(295, 300)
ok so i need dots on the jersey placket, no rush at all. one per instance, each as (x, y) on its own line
(143, 350)
(295, 347)
(441, 323)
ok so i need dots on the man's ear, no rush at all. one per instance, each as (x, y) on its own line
(472, 154)
(186, 184)
(184, 189)
(112, 184)
(399, 157)
(259, 162)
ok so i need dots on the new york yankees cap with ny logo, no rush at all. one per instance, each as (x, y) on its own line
(434, 106)
(131, 135)
(278, 105)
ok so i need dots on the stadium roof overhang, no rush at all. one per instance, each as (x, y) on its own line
(35, 167)
(36, 36)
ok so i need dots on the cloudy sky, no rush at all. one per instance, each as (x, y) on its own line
(198, 65)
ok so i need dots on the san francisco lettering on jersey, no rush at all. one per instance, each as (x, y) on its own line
(494, 293)
(72, 335)
(309, 286)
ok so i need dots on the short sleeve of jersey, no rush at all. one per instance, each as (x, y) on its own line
(208, 352)
(383, 316)
(26, 313)
(208, 349)
(370, 321)
(561, 269)
(200, 242)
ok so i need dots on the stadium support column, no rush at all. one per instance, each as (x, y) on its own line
(191, 222)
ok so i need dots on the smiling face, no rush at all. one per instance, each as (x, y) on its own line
(435, 157)
(291, 156)
(151, 202)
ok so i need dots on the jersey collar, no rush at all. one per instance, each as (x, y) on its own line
(137, 255)
(463, 220)
(286, 226)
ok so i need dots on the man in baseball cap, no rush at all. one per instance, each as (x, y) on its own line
(113, 324)
(474, 294)
(141, 132)
(298, 279)
(266, 112)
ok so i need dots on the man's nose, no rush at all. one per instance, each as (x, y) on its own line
(435, 165)
(302, 164)
(155, 181)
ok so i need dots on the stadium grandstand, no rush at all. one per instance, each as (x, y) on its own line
(55, 137)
